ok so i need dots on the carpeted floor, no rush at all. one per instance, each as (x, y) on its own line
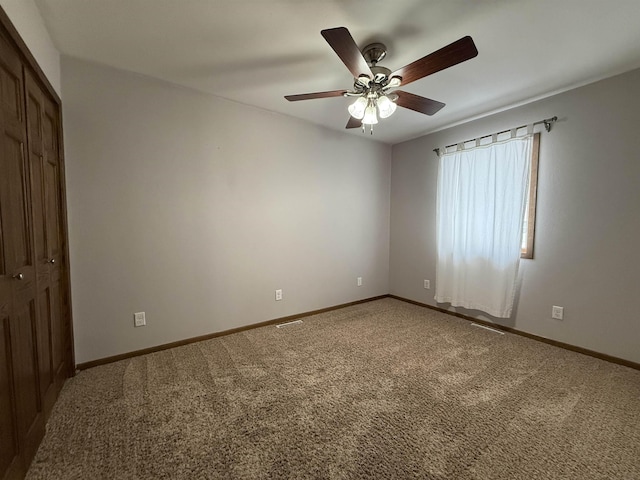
(379, 390)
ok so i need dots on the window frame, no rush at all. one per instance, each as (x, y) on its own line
(527, 251)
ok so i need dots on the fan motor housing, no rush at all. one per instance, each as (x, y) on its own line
(374, 52)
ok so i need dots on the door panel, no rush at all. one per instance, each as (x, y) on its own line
(34, 140)
(45, 366)
(23, 330)
(52, 183)
(37, 206)
(25, 371)
(52, 195)
(10, 85)
(14, 170)
(58, 335)
(8, 431)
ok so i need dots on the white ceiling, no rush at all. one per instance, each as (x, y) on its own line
(257, 51)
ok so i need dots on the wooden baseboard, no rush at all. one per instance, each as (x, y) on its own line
(566, 346)
(186, 341)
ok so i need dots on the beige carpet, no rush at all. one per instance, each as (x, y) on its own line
(379, 390)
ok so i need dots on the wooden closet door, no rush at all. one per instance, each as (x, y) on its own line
(11, 117)
(22, 420)
(42, 137)
(55, 243)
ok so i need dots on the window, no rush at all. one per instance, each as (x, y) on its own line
(482, 197)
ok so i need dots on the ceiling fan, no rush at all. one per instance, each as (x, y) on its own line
(374, 85)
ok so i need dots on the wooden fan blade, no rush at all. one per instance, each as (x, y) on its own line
(417, 103)
(345, 47)
(310, 96)
(454, 53)
(353, 122)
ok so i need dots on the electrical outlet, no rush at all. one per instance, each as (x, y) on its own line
(557, 312)
(139, 319)
(427, 284)
(278, 295)
(359, 281)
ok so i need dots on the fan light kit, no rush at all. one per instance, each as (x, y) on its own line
(373, 84)
(374, 97)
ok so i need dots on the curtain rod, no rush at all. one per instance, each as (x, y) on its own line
(548, 122)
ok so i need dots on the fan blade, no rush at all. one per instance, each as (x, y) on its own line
(310, 96)
(345, 47)
(417, 103)
(353, 122)
(454, 53)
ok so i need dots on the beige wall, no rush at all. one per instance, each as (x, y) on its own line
(588, 220)
(25, 16)
(195, 209)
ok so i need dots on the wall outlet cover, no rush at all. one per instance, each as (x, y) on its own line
(278, 295)
(139, 319)
(557, 312)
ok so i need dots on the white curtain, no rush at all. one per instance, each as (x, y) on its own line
(481, 201)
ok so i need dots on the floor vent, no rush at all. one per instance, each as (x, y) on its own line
(295, 322)
(487, 328)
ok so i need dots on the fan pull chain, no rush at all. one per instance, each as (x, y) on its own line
(364, 128)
